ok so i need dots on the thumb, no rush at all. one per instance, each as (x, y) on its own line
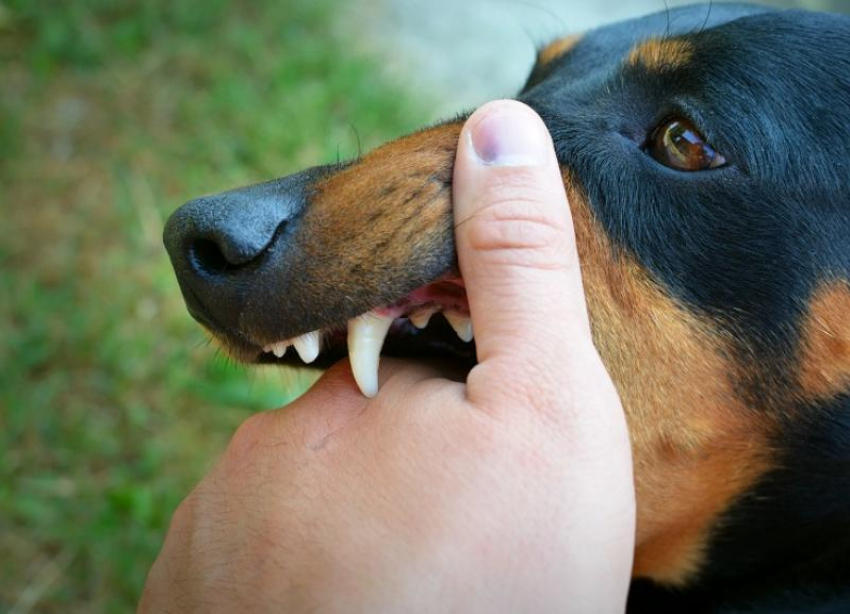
(517, 253)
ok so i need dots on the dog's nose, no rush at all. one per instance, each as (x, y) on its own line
(217, 243)
(214, 236)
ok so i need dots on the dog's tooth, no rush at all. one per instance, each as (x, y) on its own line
(461, 324)
(278, 349)
(366, 336)
(420, 319)
(307, 346)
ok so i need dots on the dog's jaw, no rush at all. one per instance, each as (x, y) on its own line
(365, 334)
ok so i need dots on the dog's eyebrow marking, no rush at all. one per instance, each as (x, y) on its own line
(557, 49)
(825, 343)
(661, 54)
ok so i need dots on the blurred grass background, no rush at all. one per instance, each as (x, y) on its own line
(112, 113)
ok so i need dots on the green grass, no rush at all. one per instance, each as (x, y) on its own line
(112, 113)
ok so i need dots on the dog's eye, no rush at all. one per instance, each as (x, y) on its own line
(676, 143)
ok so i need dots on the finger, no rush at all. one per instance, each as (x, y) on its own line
(516, 249)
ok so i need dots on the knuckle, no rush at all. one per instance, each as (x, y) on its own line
(246, 444)
(185, 521)
(521, 230)
(184, 515)
(250, 432)
(522, 185)
(521, 214)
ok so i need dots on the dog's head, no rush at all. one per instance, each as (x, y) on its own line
(706, 156)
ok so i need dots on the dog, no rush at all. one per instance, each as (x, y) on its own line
(706, 156)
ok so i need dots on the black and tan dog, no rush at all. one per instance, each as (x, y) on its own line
(706, 155)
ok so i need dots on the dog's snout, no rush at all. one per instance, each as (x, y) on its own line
(216, 243)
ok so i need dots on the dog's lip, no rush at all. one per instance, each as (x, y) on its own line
(412, 324)
(404, 340)
(446, 295)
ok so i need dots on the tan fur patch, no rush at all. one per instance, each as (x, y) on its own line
(661, 54)
(401, 187)
(825, 343)
(557, 49)
(697, 446)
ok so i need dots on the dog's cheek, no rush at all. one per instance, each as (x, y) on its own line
(825, 343)
(697, 445)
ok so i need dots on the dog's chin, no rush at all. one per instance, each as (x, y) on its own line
(430, 323)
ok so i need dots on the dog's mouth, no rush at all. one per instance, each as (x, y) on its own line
(433, 320)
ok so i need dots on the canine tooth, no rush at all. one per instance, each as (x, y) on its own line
(366, 336)
(462, 326)
(420, 319)
(278, 349)
(307, 346)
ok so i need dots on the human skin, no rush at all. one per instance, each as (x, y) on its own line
(505, 490)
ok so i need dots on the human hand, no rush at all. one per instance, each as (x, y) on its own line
(511, 492)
